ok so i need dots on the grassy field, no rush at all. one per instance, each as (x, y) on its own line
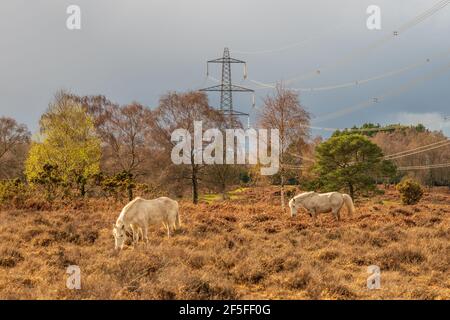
(243, 248)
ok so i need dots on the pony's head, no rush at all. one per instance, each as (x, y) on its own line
(119, 235)
(293, 207)
(297, 201)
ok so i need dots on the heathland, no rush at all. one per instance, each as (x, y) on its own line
(241, 248)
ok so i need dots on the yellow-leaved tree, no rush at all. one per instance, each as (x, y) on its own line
(69, 151)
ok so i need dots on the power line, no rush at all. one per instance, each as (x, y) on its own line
(433, 166)
(289, 46)
(383, 40)
(300, 157)
(394, 156)
(378, 99)
(287, 166)
(355, 83)
(446, 141)
(390, 128)
(420, 151)
(437, 7)
(350, 57)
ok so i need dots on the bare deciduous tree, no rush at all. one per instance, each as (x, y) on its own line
(124, 131)
(283, 111)
(14, 140)
(127, 132)
(180, 110)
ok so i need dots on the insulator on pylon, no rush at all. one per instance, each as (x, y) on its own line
(245, 71)
(207, 69)
(253, 100)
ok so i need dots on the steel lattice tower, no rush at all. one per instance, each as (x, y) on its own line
(226, 88)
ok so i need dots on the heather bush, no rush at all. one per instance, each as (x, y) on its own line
(410, 191)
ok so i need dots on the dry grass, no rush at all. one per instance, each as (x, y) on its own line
(239, 249)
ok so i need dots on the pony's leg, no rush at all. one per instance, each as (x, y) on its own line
(313, 214)
(134, 231)
(337, 214)
(146, 234)
(167, 227)
(141, 233)
(168, 230)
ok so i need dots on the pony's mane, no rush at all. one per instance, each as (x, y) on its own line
(128, 206)
(131, 203)
(304, 195)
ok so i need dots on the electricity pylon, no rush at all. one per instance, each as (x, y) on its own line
(226, 88)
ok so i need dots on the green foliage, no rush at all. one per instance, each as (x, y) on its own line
(119, 183)
(410, 191)
(11, 189)
(290, 177)
(70, 151)
(244, 177)
(349, 161)
(371, 129)
(365, 129)
(420, 128)
(49, 178)
(388, 172)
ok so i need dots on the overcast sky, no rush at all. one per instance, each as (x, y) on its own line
(136, 50)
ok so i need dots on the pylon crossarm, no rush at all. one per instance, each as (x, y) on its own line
(226, 60)
(213, 88)
(234, 113)
(242, 89)
(227, 88)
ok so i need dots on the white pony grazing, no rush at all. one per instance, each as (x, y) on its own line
(317, 203)
(137, 215)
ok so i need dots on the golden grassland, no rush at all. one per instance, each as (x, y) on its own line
(243, 248)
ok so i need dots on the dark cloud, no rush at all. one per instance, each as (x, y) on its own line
(137, 50)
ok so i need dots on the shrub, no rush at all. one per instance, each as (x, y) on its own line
(204, 289)
(12, 191)
(410, 191)
(9, 258)
(117, 184)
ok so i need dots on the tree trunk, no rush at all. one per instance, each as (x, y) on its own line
(351, 191)
(282, 193)
(223, 191)
(130, 193)
(83, 189)
(194, 185)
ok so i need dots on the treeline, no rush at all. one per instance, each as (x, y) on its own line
(397, 138)
(89, 146)
(411, 138)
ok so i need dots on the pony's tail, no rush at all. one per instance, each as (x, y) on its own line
(349, 204)
(177, 220)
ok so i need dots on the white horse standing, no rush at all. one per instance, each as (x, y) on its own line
(317, 203)
(137, 215)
